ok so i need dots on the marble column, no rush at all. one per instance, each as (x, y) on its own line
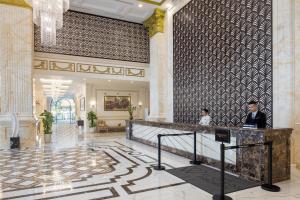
(296, 134)
(283, 63)
(158, 76)
(286, 70)
(16, 54)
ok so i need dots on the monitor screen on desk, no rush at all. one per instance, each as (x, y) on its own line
(252, 126)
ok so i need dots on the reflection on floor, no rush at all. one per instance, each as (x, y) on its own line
(104, 166)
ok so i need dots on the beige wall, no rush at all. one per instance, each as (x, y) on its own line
(96, 92)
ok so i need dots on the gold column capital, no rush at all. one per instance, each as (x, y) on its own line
(20, 3)
(155, 23)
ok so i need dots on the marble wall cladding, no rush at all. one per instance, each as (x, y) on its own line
(296, 134)
(98, 37)
(250, 163)
(16, 60)
(222, 59)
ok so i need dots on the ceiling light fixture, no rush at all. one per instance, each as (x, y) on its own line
(168, 5)
(55, 81)
(140, 5)
(49, 16)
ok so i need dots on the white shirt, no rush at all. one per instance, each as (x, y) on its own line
(205, 120)
(254, 114)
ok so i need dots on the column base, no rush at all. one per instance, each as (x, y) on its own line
(219, 197)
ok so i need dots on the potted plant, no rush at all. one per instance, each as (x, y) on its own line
(47, 121)
(92, 117)
(131, 109)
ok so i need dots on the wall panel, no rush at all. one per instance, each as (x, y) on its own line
(222, 60)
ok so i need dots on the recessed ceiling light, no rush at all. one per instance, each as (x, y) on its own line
(168, 5)
(131, 82)
(140, 5)
(109, 81)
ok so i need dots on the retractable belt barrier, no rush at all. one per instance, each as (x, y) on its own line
(159, 136)
(266, 186)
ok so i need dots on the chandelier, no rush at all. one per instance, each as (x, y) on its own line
(48, 14)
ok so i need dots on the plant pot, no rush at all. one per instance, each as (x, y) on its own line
(92, 129)
(47, 138)
(15, 142)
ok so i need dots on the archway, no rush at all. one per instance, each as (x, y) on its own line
(63, 110)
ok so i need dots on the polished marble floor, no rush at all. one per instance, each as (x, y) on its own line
(79, 165)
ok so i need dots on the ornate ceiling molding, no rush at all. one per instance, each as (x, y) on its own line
(20, 3)
(153, 2)
(155, 23)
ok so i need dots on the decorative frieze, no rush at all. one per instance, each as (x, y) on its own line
(41, 64)
(62, 66)
(135, 72)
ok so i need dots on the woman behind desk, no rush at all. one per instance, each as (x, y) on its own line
(205, 119)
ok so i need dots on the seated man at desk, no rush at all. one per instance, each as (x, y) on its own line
(255, 118)
(205, 119)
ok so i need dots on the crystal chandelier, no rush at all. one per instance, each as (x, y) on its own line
(48, 14)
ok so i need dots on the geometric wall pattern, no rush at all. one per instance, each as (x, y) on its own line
(222, 60)
(99, 37)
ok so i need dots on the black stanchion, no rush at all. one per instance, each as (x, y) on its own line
(222, 195)
(195, 161)
(269, 186)
(159, 166)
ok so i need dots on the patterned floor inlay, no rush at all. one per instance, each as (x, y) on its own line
(32, 168)
(80, 166)
(97, 170)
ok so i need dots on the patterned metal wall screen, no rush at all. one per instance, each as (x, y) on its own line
(222, 59)
(99, 37)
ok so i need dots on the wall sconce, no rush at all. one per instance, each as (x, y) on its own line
(140, 104)
(92, 104)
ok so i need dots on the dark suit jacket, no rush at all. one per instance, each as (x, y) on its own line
(260, 119)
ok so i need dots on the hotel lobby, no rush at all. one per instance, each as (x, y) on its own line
(150, 99)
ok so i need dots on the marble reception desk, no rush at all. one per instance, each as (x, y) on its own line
(250, 163)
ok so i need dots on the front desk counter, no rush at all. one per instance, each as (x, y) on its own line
(250, 163)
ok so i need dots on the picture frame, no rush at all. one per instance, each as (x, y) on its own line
(116, 103)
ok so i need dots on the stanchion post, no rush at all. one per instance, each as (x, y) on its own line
(222, 195)
(195, 161)
(159, 166)
(269, 186)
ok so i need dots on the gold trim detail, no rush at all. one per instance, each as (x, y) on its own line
(40, 64)
(62, 66)
(97, 69)
(82, 68)
(19, 3)
(117, 71)
(135, 72)
(155, 23)
(153, 2)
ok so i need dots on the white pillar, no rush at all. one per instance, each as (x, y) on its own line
(16, 54)
(296, 133)
(283, 63)
(158, 77)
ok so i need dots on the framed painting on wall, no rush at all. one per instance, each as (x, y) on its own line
(116, 103)
(82, 104)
